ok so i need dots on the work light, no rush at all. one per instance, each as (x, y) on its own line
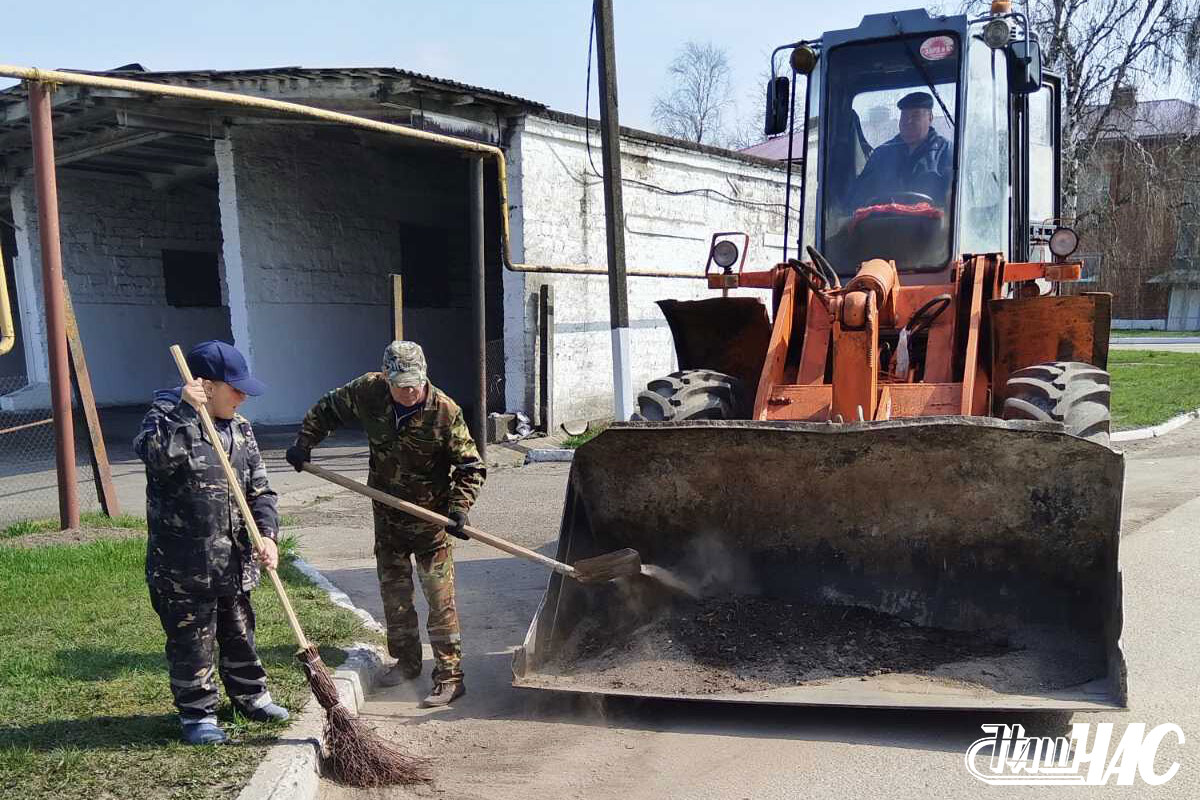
(997, 33)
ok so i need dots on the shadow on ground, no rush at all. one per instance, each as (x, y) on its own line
(101, 664)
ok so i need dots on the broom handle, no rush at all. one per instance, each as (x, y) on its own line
(437, 519)
(235, 488)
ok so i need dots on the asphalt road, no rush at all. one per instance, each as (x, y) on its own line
(500, 742)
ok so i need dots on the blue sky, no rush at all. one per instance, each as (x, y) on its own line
(532, 48)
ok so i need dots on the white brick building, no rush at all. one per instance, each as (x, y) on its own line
(182, 222)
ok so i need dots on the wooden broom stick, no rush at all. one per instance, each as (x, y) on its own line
(235, 488)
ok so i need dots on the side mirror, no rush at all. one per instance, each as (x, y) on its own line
(1024, 67)
(777, 106)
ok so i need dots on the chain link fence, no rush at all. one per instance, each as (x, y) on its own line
(28, 478)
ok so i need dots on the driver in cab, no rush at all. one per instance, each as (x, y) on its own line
(917, 159)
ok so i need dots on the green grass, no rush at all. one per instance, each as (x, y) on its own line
(1125, 334)
(87, 519)
(1149, 387)
(85, 706)
(572, 442)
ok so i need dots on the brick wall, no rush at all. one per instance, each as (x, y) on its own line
(1132, 202)
(560, 205)
(113, 234)
(321, 214)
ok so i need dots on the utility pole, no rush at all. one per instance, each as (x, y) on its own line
(614, 216)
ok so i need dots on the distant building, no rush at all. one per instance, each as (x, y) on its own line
(1139, 212)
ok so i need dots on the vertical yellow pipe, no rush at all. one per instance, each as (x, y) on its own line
(8, 335)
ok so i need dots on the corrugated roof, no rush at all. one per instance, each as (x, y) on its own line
(208, 76)
(776, 148)
(1178, 277)
(1150, 119)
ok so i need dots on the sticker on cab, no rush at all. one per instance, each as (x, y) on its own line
(935, 48)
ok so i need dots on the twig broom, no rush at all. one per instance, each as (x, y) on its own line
(355, 755)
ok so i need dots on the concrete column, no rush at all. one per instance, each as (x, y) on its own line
(231, 249)
(28, 288)
(519, 326)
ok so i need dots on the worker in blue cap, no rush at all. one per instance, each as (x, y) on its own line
(917, 159)
(200, 564)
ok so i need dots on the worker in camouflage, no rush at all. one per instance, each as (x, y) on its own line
(200, 565)
(422, 452)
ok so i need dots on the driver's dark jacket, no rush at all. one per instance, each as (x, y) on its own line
(892, 168)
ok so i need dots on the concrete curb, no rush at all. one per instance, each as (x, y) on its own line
(292, 767)
(337, 596)
(1137, 434)
(1124, 340)
(549, 455)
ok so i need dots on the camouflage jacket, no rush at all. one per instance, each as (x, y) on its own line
(429, 459)
(198, 542)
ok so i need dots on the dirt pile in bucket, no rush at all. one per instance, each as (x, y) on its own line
(747, 643)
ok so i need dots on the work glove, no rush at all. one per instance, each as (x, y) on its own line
(298, 456)
(457, 520)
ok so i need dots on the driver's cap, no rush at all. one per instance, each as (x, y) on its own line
(915, 100)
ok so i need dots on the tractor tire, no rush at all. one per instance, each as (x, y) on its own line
(1070, 392)
(691, 394)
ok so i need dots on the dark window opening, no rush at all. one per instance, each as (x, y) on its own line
(432, 261)
(192, 278)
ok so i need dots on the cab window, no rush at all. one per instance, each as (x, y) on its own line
(985, 193)
(889, 152)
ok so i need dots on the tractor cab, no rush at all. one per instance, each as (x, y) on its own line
(890, 135)
(920, 132)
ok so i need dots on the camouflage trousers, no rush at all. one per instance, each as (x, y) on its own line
(193, 626)
(399, 541)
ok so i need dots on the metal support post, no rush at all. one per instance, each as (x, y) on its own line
(614, 215)
(397, 307)
(52, 288)
(478, 421)
(546, 324)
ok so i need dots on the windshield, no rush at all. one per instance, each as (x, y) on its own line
(889, 152)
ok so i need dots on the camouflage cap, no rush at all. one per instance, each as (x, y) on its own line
(404, 364)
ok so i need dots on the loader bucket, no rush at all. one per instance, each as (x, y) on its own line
(942, 562)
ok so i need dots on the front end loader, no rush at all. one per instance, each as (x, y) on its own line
(895, 489)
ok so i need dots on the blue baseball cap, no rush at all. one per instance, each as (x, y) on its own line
(221, 361)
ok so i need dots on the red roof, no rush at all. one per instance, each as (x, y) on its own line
(776, 148)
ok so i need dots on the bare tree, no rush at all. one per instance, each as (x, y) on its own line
(698, 96)
(746, 128)
(1100, 47)
(1139, 199)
